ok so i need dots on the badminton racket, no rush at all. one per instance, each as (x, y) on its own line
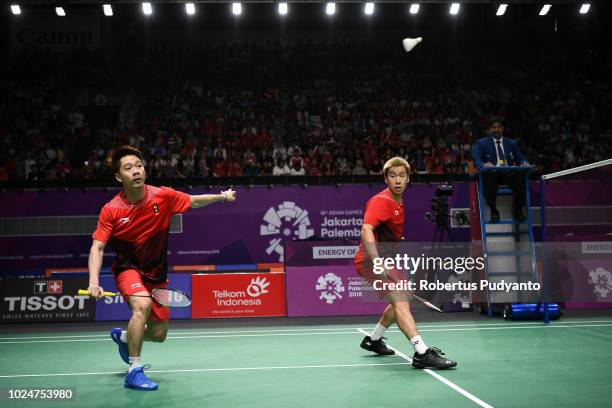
(164, 296)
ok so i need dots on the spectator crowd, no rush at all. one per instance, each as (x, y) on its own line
(294, 107)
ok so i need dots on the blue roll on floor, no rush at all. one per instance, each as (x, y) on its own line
(531, 311)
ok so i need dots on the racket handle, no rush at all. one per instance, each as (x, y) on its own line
(85, 292)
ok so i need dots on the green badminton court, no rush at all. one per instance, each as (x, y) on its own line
(501, 364)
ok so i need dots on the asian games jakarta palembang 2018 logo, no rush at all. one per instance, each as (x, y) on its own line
(330, 286)
(601, 280)
(288, 221)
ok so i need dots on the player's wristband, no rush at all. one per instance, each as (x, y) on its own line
(224, 196)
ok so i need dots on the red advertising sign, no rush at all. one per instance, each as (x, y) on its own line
(238, 295)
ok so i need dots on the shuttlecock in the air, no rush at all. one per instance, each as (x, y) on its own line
(410, 43)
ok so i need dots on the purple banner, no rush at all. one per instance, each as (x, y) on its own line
(329, 285)
(115, 308)
(577, 206)
(252, 229)
(590, 284)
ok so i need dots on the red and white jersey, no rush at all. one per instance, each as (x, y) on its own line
(139, 232)
(386, 216)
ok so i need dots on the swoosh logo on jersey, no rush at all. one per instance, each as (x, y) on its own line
(124, 220)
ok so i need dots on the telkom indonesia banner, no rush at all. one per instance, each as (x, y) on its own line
(252, 229)
(116, 308)
(238, 295)
(321, 281)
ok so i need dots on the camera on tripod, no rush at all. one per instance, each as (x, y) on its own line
(439, 206)
(440, 214)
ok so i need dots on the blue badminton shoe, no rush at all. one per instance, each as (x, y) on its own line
(123, 347)
(137, 380)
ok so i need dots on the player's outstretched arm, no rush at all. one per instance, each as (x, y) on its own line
(96, 254)
(197, 201)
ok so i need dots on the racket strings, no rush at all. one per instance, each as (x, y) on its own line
(162, 296)
(170, 298)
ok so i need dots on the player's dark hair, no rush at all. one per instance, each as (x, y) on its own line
(496, 119)
(123, 151)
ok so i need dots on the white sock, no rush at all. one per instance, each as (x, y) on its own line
(418, 344)
(123, 337)
(378, 332)
(134, 363)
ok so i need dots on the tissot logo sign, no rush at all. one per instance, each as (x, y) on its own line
(48, 286)
(35, 300)
(40, 287)
(55, 286)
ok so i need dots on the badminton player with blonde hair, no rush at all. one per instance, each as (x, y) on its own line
(383, 221)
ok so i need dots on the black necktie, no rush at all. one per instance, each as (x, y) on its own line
(500, 153)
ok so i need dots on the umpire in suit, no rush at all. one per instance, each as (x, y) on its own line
(497, 150)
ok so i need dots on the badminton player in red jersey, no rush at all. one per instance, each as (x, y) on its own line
(384, 222)
(135, 223)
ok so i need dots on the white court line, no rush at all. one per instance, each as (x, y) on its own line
(262, 334)
(439, 377)
(542, 326)
(185, 337)
(203, 370)
(312, 329)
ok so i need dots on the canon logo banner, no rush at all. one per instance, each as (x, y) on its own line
(79, 32)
